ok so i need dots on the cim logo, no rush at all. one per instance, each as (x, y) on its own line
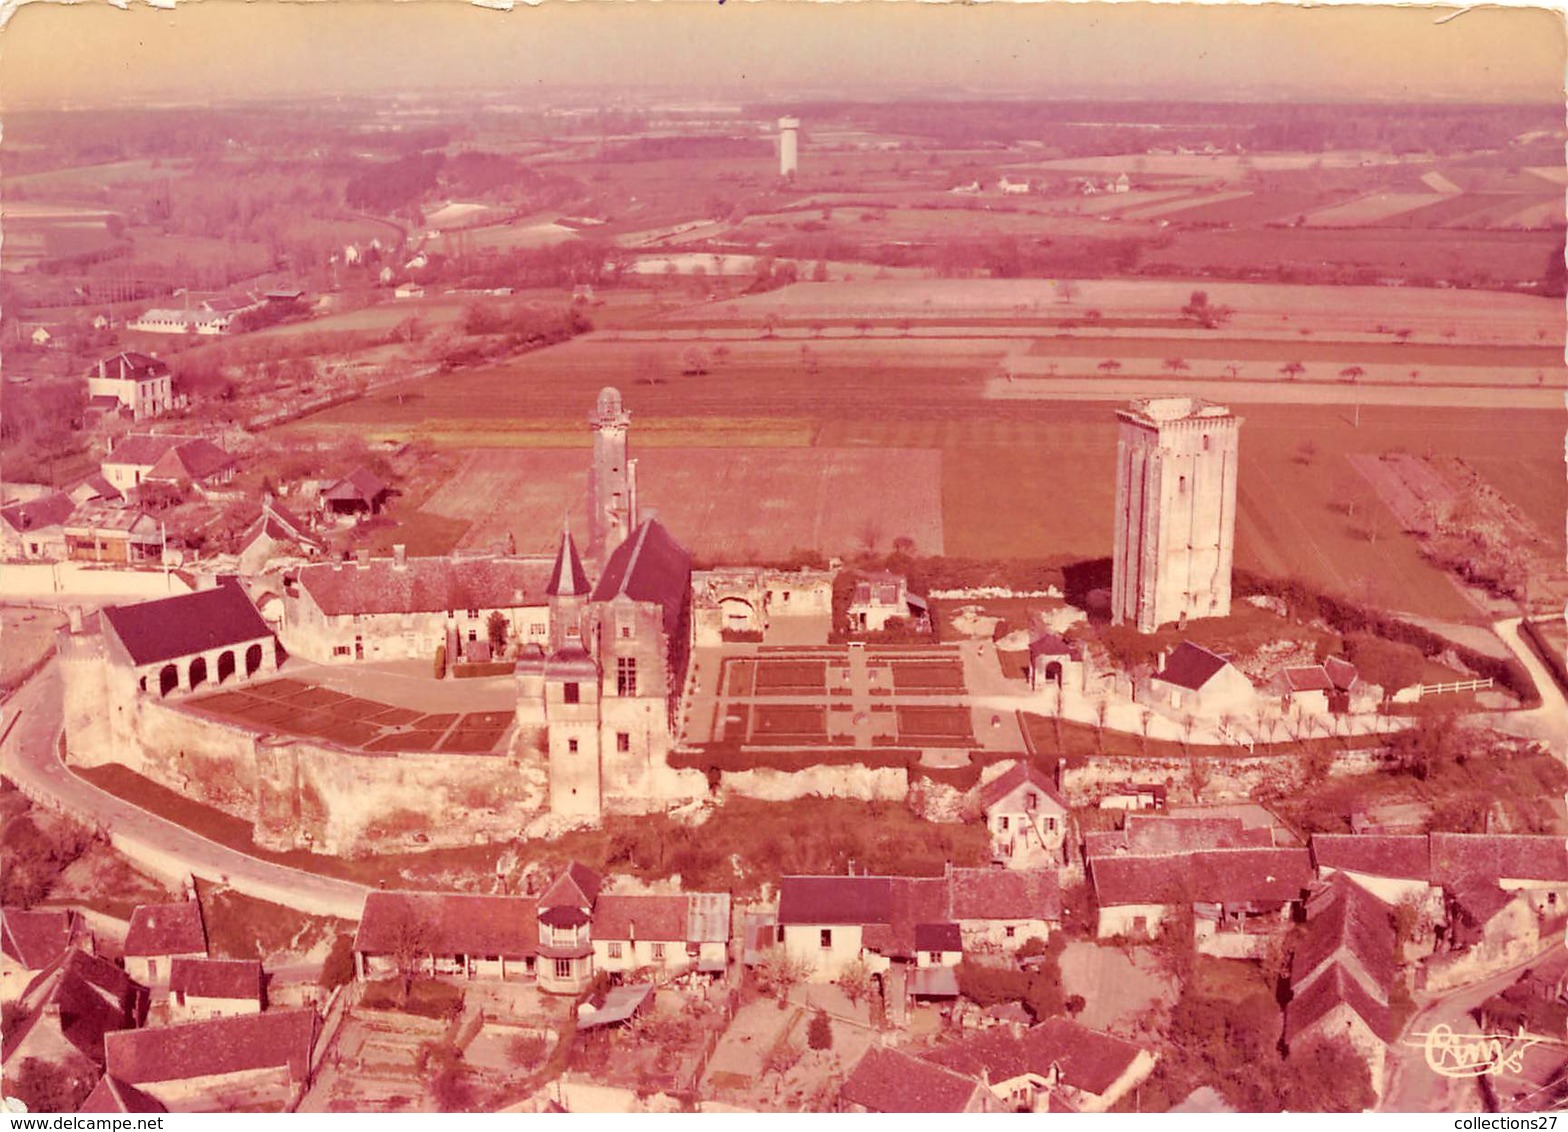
(1450, 1054)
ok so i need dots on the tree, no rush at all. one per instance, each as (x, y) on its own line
(409, 941)
(1066, 290)
(1292, 370)
(1110, 365)
(1233, 369)
(45, 1087)
(496, 628)
(1204, 313)
(694, 361)
(338, 968)
(778, 971)
(856, 981)
(1176, 365)
(819, 1032)
(1352, 374)
(1391, 664)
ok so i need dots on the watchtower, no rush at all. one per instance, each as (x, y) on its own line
(612, 479)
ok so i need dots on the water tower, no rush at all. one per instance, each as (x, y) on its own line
(789, 131)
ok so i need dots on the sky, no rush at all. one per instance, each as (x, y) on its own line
(91, 52)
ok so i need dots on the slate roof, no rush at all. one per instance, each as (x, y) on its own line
(36, 939)
(171, 627)
(1052, 644)
(1341, 673)
(426, 585)
(143, 449)
(938, 937)
(1191, 666)
(663, 918)
(1022, 772)
(276, 1039)
(1214, 876)
(1461, 857)
(1334, 987)
(885, 1080)
(450, 923)
(113, 1095)
(1398, 856)
(166, 929)
(46, 511)
(577, 886)
(217, 978)
(650, 566)
(567, 579)
(92, 998)
(1004, 894)
(1089, 1060)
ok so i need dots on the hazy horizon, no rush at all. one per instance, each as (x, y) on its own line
(53, 54)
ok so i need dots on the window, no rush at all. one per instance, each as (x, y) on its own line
(626, 632)
(626, 676)
(658, 953)
(1181, 483)
(569, 693)
(571, 746)
(827, 937)
(341, 650)
(623, 741)
(473, 615)
(1009, 931)
(1050, 824)
(473, 635)
(1205, 442)
(537, 629)
(613, 949)
(563, 968)
(1001, 824)
(934, 956)
(1030, 801)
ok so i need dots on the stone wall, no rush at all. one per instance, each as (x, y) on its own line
(887, 784)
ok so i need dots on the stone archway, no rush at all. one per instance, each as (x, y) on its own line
(252, 660)
(738, 613)
(168, 679)
(198, 673)
(225, 665)
(1053, 673)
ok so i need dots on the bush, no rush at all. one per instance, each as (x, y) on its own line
(819, 1034)
(339, 965)
(440, 661)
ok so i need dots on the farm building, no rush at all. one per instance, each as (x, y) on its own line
(35, 530)
(100, 532)
(181, 461)
(883, 597)
(361, 492)
(180, 643)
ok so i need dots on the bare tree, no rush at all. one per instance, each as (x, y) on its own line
(1352, 374)
(409, 944)
(1233, 369)
(1109, 365)
(1292, 370)
(1145, 718)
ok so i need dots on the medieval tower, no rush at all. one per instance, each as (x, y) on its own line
(612, 478)
(1175, 512)
(789, 146)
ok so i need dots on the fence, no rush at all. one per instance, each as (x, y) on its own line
(1423, 690)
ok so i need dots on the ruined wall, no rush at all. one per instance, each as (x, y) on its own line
(889, 784)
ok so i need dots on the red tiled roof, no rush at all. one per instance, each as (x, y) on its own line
(172, 627)
(36, 939)
(276, 1039)
(361, 485)
(1341, 672)
(835, 900)
(91, 997)
(578, 886)
(1461, 857)
(166, 929)
(1400, 856)
(1347, 924)
(1308, 678)
(195, 460)
(46, 511)
(1022, 772)
(1004, 894)
(1089, 1060)
(641, 917)
(111, 1095)
(449, 923)
(143, 450)
(885, 1080)
(1330, 989)
(1191, 666)
(1216, 876)
(426, 585)
(129, 366)
(217, 978)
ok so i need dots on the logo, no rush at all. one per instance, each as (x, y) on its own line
(1449, 1054)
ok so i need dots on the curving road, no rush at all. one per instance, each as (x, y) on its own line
(29, 756)
(1547, 723)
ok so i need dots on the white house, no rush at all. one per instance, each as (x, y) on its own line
(138, 383)
(1194, 681)
(160, 934)
(1026, 816)
(669, 934)
(212, 988)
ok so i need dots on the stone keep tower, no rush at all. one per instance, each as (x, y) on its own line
(1175, 512)
(612, 480)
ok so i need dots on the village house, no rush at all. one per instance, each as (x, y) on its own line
(66, 1010)
(470, 936)
(1027, 818)
(277, 533)
(1344, 972)
(181, 643)
(35, 530)
(1055, 1066)
(178, 461)
(32, 939)
(887, 1080)
(96, 489)
(263, 1059)
(1192, 681)
(120, 536)
(667, 934)
(1393, 867)
(883, 597)
(565, 937)
(136, 384)
(402, 608)
(160, 934)
(827, 923)
(214, 988)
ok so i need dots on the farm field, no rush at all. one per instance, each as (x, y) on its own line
(1368, 210)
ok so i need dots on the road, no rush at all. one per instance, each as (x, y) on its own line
(1412, 1086)
(29, 756)
(1547, 723)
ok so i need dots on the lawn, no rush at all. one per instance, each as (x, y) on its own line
(242, 927)
(933, 676)
(793, 677)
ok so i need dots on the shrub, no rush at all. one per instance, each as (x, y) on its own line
(819, 1034)
(440, 661)
(339, 965)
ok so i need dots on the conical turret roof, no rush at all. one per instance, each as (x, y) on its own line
(568, 578)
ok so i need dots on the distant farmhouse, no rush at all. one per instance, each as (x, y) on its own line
(136, 384)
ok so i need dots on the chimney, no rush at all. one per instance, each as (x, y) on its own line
(399, 555)
(1061, 771)
(851, 866)
(362, 556)
(75, 614)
